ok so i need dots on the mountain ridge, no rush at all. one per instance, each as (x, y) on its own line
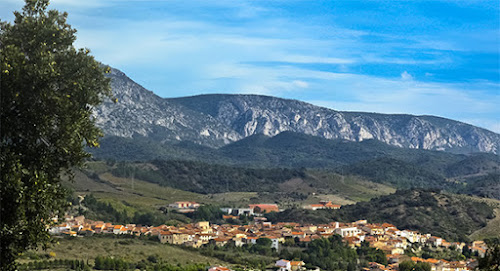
(216, 120)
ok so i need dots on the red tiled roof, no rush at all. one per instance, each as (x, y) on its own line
(296, 263)
(265, 208)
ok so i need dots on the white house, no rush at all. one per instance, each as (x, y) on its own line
(275, 243)
(238, 211)
(60, 229)
(283, 265)
(348, 231)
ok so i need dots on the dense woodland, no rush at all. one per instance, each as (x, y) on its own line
(398, 173)
(484, 186)
(207, 178)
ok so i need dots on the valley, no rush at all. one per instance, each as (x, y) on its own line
(280, 136)
(141, 188)
(236, 151)
(233, 244)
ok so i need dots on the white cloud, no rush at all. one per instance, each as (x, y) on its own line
(315, 59)
(369, 58)
(406, 76)
(300, 84)
(79, 3)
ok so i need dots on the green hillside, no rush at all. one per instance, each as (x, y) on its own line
(136, 191)
(474, 165)
(441, 214)
(401, 174)
(286, 149)
(138, 188)
(370, 159)
(484, 186)
(450, 216)
(207, 178)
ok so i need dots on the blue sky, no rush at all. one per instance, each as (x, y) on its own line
(418, 57)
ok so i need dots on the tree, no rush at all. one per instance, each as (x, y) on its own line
(265, 242)
(411, 266)
(99, 262)
(48, 89)
(491, 260)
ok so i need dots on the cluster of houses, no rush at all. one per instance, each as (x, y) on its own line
(260, 209)
(184, 206)
(252, 210)
(281, 265)
(324, 204)
(286, 265)
(385, 237)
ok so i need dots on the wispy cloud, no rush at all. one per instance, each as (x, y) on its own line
(418, 57)
(406, 76)
(81, 4)
(313, 59)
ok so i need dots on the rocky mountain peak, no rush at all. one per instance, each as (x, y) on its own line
(218, 119)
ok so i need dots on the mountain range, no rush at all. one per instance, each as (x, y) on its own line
(217, 120)
(233, 150)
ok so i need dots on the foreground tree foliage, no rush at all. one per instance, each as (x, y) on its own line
(333, 254)
(48, 89)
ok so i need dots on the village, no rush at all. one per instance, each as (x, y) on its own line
(386, 237)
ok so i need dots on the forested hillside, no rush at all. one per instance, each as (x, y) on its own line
(441, 214)
(207, 178)
(370, 159)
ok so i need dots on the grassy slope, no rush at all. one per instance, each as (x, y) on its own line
(131, 194)
(143, 193)
(132, 250)
(351, 188)
(492, 229)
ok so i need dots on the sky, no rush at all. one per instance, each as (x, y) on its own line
(416, 57)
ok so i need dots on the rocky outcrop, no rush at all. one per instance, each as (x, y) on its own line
(139, 112)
